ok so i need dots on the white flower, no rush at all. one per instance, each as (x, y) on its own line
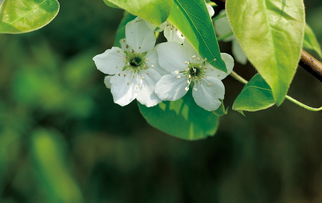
(224, 31)
(133, 69)
(185, 68)
(172, 34)
(210, 9)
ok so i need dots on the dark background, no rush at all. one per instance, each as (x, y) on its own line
(62, 139)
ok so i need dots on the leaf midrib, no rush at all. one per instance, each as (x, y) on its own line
(195, 28)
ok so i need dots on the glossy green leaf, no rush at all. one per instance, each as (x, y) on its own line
(49, 156)
(271, 33)
(183, 118)
(255, 96)
(20, 16)
(154, 11)
(192, 19)
(311, 42)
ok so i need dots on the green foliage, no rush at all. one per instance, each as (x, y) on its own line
(192, 19)
(271, 33)
(310, 41)
(183, 118)
(154, 11)
(49, 156)
(20, 16)
(255, 96)
(112, 155)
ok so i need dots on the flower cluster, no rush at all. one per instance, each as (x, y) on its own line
(152, 73)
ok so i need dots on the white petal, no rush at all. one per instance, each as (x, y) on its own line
(111, 61)
(172, 34)
(139, 35)
(124, 45)
(152, 60)
(214, 72)
(229, 61)
(146, 94)
(124, 87)
(208, 92)
(107, 82)
(172, 56)
(171, 88)
(211, 10)
(239, 53)
(223, 27)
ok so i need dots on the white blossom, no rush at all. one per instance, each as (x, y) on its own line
(172, 34)
(187, 69)
(224, 31)
(132, 70)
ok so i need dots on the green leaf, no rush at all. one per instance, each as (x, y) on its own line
(183, 118)
(271, 33)
(255, 96)
(311, 42)
(20, 16)
(153, 11)
(192, 19)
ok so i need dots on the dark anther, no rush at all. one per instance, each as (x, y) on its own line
(194, 71)
(136, 61)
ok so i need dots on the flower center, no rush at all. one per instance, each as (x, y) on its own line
(136, 61)
(194, 71)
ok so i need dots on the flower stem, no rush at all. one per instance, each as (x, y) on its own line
(309, 108)
(291, 99)
(238, 77)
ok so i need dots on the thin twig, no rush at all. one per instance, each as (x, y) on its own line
(289, 98)
(311, 64)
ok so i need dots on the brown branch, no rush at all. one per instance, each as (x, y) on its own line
(308, 62)
(311, 64)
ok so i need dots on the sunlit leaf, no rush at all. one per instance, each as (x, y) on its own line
(19, 16)
(271, 33)
(154, 11)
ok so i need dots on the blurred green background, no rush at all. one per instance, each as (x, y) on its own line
(63, 140)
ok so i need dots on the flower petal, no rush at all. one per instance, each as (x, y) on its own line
(107, 82)
(239, 53)
(146, 94)
(223, 28)
(172, 87)
(172, 34)
(214, 72)
(172, 56)
(124, 87)
(152, 60)
(111, 61)
(139, 35)
(210, 9)
(208, 92)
